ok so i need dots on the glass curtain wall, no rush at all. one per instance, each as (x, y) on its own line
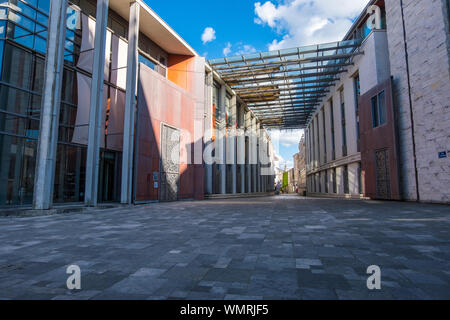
(23, 34)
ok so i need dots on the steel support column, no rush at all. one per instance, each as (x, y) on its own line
(96, 105)
(232, 145)
(258, 157)
(130, 106)
(248, 133)
(241, 151)
(222, 143)
(254, 155)
(51, 102)
(209, 127)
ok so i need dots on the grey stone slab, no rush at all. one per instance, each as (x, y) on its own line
(265, 248)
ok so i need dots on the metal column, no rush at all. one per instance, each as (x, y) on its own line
(96, 106)
(254, 155)
(51, 102)
(258, 157)
(209, 130)
(130, 105)
(241, 151)
(221, 142)
(232, 145)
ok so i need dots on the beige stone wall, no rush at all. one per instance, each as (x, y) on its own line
(427, 40)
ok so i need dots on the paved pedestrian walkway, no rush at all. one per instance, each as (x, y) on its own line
(283, 247)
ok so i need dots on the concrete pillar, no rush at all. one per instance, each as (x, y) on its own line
(248, 133)
(258, 157)
(130, 105)
(254, 155)
(232, 145)
(221, 142)
(51, 102)
(208, 130)
(96, 108)
(241, 151)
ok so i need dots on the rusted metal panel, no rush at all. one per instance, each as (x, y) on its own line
(379, 155)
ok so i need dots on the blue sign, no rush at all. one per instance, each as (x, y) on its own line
(442, 155)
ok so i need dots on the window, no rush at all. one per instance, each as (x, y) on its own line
(334, 181)
(324, 137)
(320, 182)
(326, 181)
(346, 183)
(379, 109)
(360, 183)
(228, 116)
(313, 144)
(357, 87)
(333, 144)
(147, 62)
(318, 138)
(344, 128)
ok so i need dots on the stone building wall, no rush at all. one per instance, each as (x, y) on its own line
(427, 39)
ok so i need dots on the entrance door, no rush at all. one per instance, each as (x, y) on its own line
(108, 177)
(170, 164)
(383, 178)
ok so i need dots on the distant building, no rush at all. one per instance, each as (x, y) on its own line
(300, 167)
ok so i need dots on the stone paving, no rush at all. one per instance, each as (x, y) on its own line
(283, 247)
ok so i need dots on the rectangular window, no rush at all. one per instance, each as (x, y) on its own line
(313, 144)
(326, 181)
(333, 144)
(344, 128)
(318, 138)
(360, 182)
(357, 85)
(378, 103)
(346, 183)
(324, 137)
(228, 116)
(334, 181)
(319, 179)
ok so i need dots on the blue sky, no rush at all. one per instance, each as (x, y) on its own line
(236, 27)
(225, 28)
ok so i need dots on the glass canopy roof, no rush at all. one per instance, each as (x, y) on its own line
(283, 88)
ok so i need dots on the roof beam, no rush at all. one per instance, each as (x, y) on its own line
(316, 81)
(298, 76)
(233, 76)
(275, 64)
(278, 54)
(292, 99)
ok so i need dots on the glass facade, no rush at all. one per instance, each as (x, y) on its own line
(344, 126)
(23, 34)
(357, 88)
(378, 110)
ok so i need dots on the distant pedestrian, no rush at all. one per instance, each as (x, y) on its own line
(278, 188)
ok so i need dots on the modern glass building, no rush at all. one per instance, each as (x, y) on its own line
(170, 96)
(23, 32)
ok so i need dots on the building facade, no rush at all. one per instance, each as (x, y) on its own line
(382, 131)
(95, 98)
(300, 167)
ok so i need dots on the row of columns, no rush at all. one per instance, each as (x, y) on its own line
(231, 148)
(48, 136)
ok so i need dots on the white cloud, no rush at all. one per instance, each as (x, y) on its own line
(240, 49)
(306, 22)
(209, 34)
(245, 49)
(286, 138)
(227, 49)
